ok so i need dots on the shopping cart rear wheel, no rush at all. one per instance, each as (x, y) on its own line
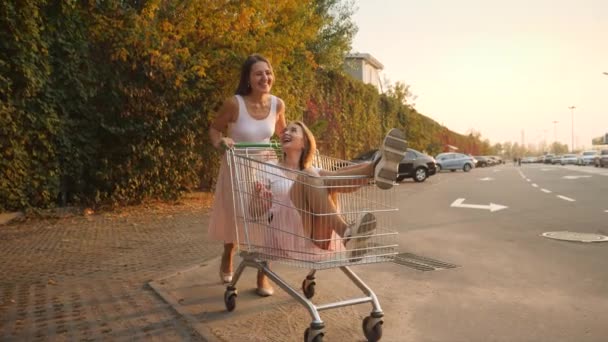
(317, 338)
(372, 328)
(308, 287)
(230, 299)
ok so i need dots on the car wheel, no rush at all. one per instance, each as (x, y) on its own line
(420, 174)
(438, 168)
(466, 167)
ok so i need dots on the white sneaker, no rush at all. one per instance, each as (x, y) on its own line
(392, 151)
(357, 238)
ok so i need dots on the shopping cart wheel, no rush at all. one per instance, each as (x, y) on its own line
(313, 335)
(372, 328)
(308, 287)
(230, 298)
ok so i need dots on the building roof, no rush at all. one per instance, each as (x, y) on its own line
(368, 58)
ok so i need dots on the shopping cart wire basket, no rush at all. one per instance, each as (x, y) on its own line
(286, 216)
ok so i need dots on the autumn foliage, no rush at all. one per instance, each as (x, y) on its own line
(109, 102)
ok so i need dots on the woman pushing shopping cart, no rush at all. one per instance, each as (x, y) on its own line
(300, 208)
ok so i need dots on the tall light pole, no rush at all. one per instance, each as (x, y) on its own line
(572, 108)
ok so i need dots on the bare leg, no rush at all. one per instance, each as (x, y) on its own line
(264, 288)
(317, 210)
(226, 265)
(349, 185)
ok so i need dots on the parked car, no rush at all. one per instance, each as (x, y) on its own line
(483, 161)
(415, 164)
(556, 160)
(497, 159)
(548, 158)
(568, 159)
(528, 160)
(586, 158)
(601, 159)
(454, 161)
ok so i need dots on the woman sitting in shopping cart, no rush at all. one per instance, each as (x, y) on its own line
(297, 202)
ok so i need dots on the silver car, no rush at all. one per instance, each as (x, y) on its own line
(454, 161)
(568, 159)
(586, 158)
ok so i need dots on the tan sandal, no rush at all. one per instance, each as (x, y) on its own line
(264, 289)
(226, 277)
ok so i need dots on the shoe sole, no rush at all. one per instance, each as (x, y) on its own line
(393, 150)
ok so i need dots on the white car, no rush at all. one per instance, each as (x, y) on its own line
(586, 158)
(568, 159)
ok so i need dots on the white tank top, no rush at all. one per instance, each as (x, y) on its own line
(248, 129)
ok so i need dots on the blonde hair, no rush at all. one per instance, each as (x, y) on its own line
(310, 147)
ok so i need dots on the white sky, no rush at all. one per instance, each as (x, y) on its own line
(498, 67)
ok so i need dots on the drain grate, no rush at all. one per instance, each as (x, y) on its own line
(421, 263)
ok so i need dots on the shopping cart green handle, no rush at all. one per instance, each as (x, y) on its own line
(272, 144)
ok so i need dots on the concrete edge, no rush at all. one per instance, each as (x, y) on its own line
(201, 329)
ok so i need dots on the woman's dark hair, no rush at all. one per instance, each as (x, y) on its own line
(244, 88)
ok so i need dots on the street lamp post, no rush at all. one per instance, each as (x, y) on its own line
(572, 108)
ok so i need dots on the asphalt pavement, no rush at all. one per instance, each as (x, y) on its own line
(492, 275)
(506, 281)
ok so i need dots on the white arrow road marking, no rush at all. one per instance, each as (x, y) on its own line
(547, 169)
(576, 177)
(492, 207)
(535, 185)
(566, 198)
(486, 179)
(545, 191)
(528, 180)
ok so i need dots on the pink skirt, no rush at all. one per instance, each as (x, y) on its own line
(222, 224)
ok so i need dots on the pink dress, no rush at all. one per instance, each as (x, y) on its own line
(222, 225)
(281, 233)
(286, 234)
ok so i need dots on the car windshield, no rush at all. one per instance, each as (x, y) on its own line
(366, 155)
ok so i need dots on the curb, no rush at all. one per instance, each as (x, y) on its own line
(201, 329)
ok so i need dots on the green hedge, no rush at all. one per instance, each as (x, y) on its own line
(109, 102)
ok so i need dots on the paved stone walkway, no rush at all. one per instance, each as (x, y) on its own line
(83, 278)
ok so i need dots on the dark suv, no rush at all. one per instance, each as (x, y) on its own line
(416, 165)
(601, 159)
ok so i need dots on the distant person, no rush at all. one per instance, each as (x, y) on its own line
(252, 115)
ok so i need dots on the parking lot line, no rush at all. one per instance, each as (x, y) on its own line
(566, 198)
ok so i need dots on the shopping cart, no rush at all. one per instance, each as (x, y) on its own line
(278, 231)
